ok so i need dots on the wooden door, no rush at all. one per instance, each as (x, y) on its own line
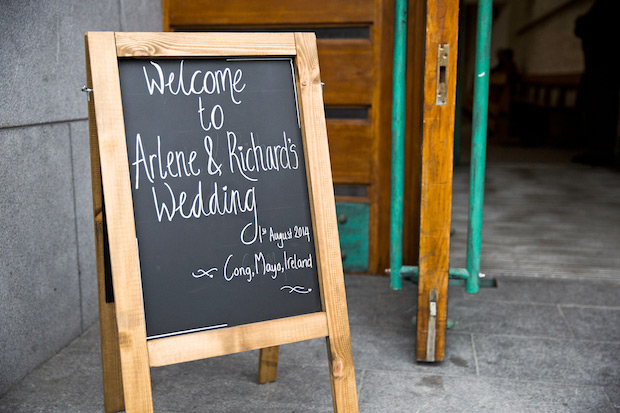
(355, 54)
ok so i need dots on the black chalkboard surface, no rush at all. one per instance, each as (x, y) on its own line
(220, 196)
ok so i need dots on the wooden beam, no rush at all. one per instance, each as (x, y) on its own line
(199, 13)
(268, 364)
(436, 182)
(113, 398)
(379, 190)
(213, 343)
(121, 228)
(321, 191)
(413, 133)
(204, 44)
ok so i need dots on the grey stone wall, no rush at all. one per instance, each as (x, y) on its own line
(552, 47)
(549, 46)
(47, 263)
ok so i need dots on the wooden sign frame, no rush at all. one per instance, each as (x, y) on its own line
(126, 354)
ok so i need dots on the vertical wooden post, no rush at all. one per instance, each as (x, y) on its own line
(379, 188)
(114, 400)
(413, 137)
(436, 185)
(112, 151)
(342, 372)
(165, 9)
(268, 364)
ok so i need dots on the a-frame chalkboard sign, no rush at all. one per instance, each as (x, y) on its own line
(214, 210)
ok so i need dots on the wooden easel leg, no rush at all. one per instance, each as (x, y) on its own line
(268, 364)
(113, 396)
(123, 330)
(342, 373)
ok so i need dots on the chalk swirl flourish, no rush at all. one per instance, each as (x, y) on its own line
(297, 289)
(201, 273)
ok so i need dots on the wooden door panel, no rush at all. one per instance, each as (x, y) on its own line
(350, 147)
(346, 70)
(198, 13)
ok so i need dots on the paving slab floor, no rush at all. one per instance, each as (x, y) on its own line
(529, 345)
(547, 339)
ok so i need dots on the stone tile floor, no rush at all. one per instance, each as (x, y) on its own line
(547, 339)
(543, 220)
(529, 345)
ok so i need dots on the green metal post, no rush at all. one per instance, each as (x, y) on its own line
(478, 143)
(398, 143)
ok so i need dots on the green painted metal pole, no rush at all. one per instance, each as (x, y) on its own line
(478, 143)
(398, 143)
(412, 272)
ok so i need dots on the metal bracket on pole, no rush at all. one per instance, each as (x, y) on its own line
(443, 53)
(432, 326)
(88, 91)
